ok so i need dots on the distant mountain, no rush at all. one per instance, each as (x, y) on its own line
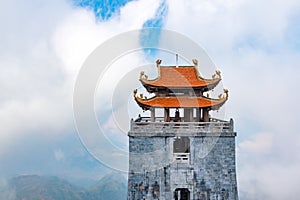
(112, 187)
(32, 187)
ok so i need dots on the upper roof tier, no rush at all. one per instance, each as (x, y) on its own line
(180, 77)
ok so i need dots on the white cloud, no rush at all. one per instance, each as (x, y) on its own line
(31, 78)
(261, 143)
(59, 155)
(222, 24)
(247, 39)
(79, 34)
(40, 55)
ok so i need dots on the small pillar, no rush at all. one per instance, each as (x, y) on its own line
(191, 114)
(152, 110)
(205, 115)
(198, 115)
(188, 114)
(185, 114)
(231, 124)
(177, 115)
(167, 115)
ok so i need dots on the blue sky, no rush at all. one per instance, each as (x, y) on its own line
(255, 44)
(103, 10)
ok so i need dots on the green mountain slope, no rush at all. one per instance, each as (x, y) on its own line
(112, 187)
(32, 187)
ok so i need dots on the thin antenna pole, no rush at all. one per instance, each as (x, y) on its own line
(176, 60)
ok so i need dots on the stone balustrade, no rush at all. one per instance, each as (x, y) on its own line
(143, 126)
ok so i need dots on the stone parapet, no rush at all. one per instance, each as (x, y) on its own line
(163, 129)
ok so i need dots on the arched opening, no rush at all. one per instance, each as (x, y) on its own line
(181, 145)
(182, 194)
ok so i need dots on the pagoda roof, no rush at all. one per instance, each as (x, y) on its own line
(181, 102)
(179, 77)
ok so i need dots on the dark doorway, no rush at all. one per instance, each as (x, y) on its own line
(181, 145)
(182, 194)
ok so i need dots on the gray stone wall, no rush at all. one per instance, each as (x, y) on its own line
(215, 170)
(209, 172)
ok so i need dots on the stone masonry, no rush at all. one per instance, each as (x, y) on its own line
(206, 171)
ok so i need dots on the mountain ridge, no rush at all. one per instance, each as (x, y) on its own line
(33, 187)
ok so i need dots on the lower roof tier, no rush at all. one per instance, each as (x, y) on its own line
(181, 102)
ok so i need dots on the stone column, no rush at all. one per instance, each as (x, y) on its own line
(186, 114)
(205, 115)
(198, 117)
(152, 110)
(167, 115)
(191, 114)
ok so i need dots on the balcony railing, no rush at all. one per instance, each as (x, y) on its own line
(214, 125)
(181, 157)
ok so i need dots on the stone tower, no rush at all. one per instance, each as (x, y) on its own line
(183, 154)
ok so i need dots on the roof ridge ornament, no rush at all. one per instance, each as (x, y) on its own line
(143, 76)
(195, 61)
(222, 96)
(226, 93)
(217, 75)
(158, 62)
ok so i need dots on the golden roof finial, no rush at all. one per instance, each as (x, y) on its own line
(195, 61)
(158, 62)
(226, 93)
(218, 72)
(134, 92)
(142, 73)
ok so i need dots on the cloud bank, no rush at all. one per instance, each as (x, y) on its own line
(255, 44)
(43, 47)
(250, 41)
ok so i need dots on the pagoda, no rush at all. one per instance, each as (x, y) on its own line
(185, 154)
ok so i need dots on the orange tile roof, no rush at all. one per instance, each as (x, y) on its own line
(179, 77)
(181, 102)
